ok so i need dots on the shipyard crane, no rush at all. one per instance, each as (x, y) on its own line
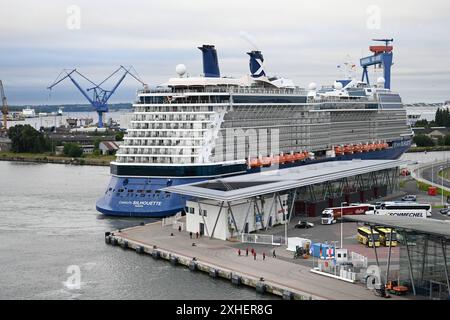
(4, 107)
(382, 55)
(100, 96)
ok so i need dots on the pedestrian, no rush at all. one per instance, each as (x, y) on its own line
(253, 251)
(196, 234)
(254, 255)
(179, 228)
(274, 254)
(239, 252)
(264, 256)
(190, 234)
(246, 252)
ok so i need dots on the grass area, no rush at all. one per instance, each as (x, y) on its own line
(424, 187)
(434, 148)
(445, 173)
(88, 159)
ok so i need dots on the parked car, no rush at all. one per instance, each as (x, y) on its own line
(304, 225)
(445, 211)
(409, 197)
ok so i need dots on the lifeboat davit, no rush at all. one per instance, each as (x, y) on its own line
(276, 159)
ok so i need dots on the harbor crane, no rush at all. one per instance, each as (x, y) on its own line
(382, 55)
(100, 96)
(4, 107)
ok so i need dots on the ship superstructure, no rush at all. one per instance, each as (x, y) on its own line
(195, 128)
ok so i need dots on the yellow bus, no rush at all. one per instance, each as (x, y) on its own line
(365, 237)
(385, 234)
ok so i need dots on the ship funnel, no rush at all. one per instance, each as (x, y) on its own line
(210, 61)
(256, 64)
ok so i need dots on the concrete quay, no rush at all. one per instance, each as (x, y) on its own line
(220, 259)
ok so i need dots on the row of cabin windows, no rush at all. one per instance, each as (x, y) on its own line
(141, 192)
(191, 210)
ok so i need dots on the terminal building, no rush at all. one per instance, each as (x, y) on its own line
(424, 253)
(229, 207)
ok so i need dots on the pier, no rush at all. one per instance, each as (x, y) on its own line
(220, 259)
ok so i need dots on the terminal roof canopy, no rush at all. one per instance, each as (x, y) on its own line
(435, 227)
(249, 185)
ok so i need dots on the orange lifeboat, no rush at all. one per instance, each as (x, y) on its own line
(299, 156)
(372, 147)
(357, 148)
(385, 145)
(289, 158)
(378, 146)
(339, 151)
(348, 149)
(266, 161)
(255, 163)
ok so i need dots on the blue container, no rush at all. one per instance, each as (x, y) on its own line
(316, 250)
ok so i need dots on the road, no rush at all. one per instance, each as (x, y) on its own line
(431, 174)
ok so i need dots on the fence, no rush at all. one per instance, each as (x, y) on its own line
(359, 260)
(263, 239)
(171, 220)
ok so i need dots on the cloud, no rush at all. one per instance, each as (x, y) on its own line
(303, 40)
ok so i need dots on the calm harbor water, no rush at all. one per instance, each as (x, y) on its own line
(48, 223)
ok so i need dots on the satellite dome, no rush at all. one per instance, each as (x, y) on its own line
(338, 85)
(312, 86)
(381, 81)
(180, 69)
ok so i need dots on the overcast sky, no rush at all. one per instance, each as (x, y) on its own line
(301, 40)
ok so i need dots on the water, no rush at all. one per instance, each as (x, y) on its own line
(48, 223)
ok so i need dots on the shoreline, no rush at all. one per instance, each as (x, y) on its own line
(55, 160)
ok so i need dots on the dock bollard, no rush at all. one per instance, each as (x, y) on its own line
(107, 233)
(140, 249)
(213, 273)
(156, 254)
(108, 240)
(236, 279)
(193, 265)
(261, 287)
(287, 295)
(124, 244)
(173, 260)
(114, 241)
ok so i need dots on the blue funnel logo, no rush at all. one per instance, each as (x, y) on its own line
(210, 61)
(256, 64)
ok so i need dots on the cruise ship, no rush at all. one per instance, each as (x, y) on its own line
(185, 130)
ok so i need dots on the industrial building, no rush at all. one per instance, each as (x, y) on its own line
(245, 203)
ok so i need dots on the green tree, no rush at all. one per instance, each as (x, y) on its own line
(119, 136)
(447, 140)
(72, 150)
(24, 138)
(422, 140)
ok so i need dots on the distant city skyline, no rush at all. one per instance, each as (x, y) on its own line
(304, 41)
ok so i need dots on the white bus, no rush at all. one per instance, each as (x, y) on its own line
(403, 209)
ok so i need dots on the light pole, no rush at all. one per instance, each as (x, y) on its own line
(441, 169)
(342, 223)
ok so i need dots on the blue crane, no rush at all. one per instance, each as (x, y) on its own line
(100, 97)
(382, 55)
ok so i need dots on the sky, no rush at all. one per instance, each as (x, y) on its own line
(301, 40)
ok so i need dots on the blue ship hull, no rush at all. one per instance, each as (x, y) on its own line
(141, 197)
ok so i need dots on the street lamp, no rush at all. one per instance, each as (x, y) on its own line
(441, 169)
(342, 223)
